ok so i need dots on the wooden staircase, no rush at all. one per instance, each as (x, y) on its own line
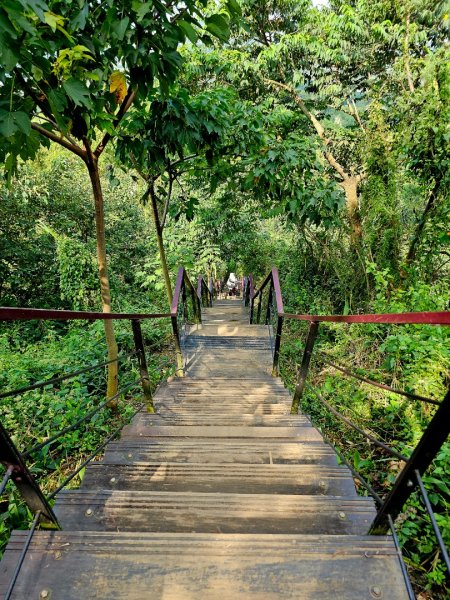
(222, 494)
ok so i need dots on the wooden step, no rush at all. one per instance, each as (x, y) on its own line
(140, 566)
(229, 329)
(222, 450)
(229, 409)
(229, 478)
(304, 433)
(104, 510)
(145, 419)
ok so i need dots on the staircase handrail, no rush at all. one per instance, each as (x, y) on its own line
(203, 292)
(434, 436)
(14, 461)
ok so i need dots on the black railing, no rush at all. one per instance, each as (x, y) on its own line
(269, 296)
(12, 459)
(249, 290)
(204, 294)
(185, 310)
(436, 433)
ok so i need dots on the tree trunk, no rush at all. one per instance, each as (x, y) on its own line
(111, 343)
(162, 252)
(411, 256)
(350, 187)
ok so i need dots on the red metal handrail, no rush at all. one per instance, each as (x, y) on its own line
(29, 314)
(411, 318)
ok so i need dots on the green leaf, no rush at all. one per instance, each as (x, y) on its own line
(78, 92)
(23, 122)
(234, 8)
(141, 9)
(9, 52)
(188, 31)
(218, 25)
(11, 122)
(79, 20)
(7, 125)
(120, 27)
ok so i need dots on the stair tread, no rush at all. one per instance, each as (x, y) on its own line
(190, 566)
(212, 512)
(230, 478)
(220, 450)
(305, 433)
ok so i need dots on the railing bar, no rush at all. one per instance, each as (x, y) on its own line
(358, 429)
(437, 531)
(262, 286)
(43, 384)
(412, 318)
(379, 385)
(6, 478)
(86, 417)
(359, 477)
(22, 555)
(36, 314)
(93, 455)
(406, 578)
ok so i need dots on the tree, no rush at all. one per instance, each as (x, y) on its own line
(182, 135)
(71, 71)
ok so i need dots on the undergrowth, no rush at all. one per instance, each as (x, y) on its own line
(415, 358)
(34, 416)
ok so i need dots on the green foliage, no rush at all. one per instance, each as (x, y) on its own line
(59, 61)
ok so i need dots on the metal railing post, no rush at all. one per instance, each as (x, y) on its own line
(258, 314)
(424, 453)
(21, 476)
(178, 353)
(269, 303)
(304, 368)
(143, 370)
(276, 350)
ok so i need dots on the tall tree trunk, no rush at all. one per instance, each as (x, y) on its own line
(350, 187)
(161, 249)
(111, 343)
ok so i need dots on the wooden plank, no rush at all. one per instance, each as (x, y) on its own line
(250, 420)
(229, 478)
(210, 512)
(224, 451)
(305, 434)
(102, 566)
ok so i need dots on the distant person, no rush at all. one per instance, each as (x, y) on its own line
(231, 283)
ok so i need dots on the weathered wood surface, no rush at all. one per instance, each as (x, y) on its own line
(238, 479)
(224, 451)
(305, 433)
(121, 566)
(104, 510)
(222, 495)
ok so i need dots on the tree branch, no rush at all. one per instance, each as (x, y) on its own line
(315, 123)
(60, 140)
(169, 195)
(124, 107)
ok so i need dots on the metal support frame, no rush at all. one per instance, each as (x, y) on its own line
(304, 368)
(24, 481)
(269, 303)
(258, 313)
(142, 361)
(424, 453)
(276, 350)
